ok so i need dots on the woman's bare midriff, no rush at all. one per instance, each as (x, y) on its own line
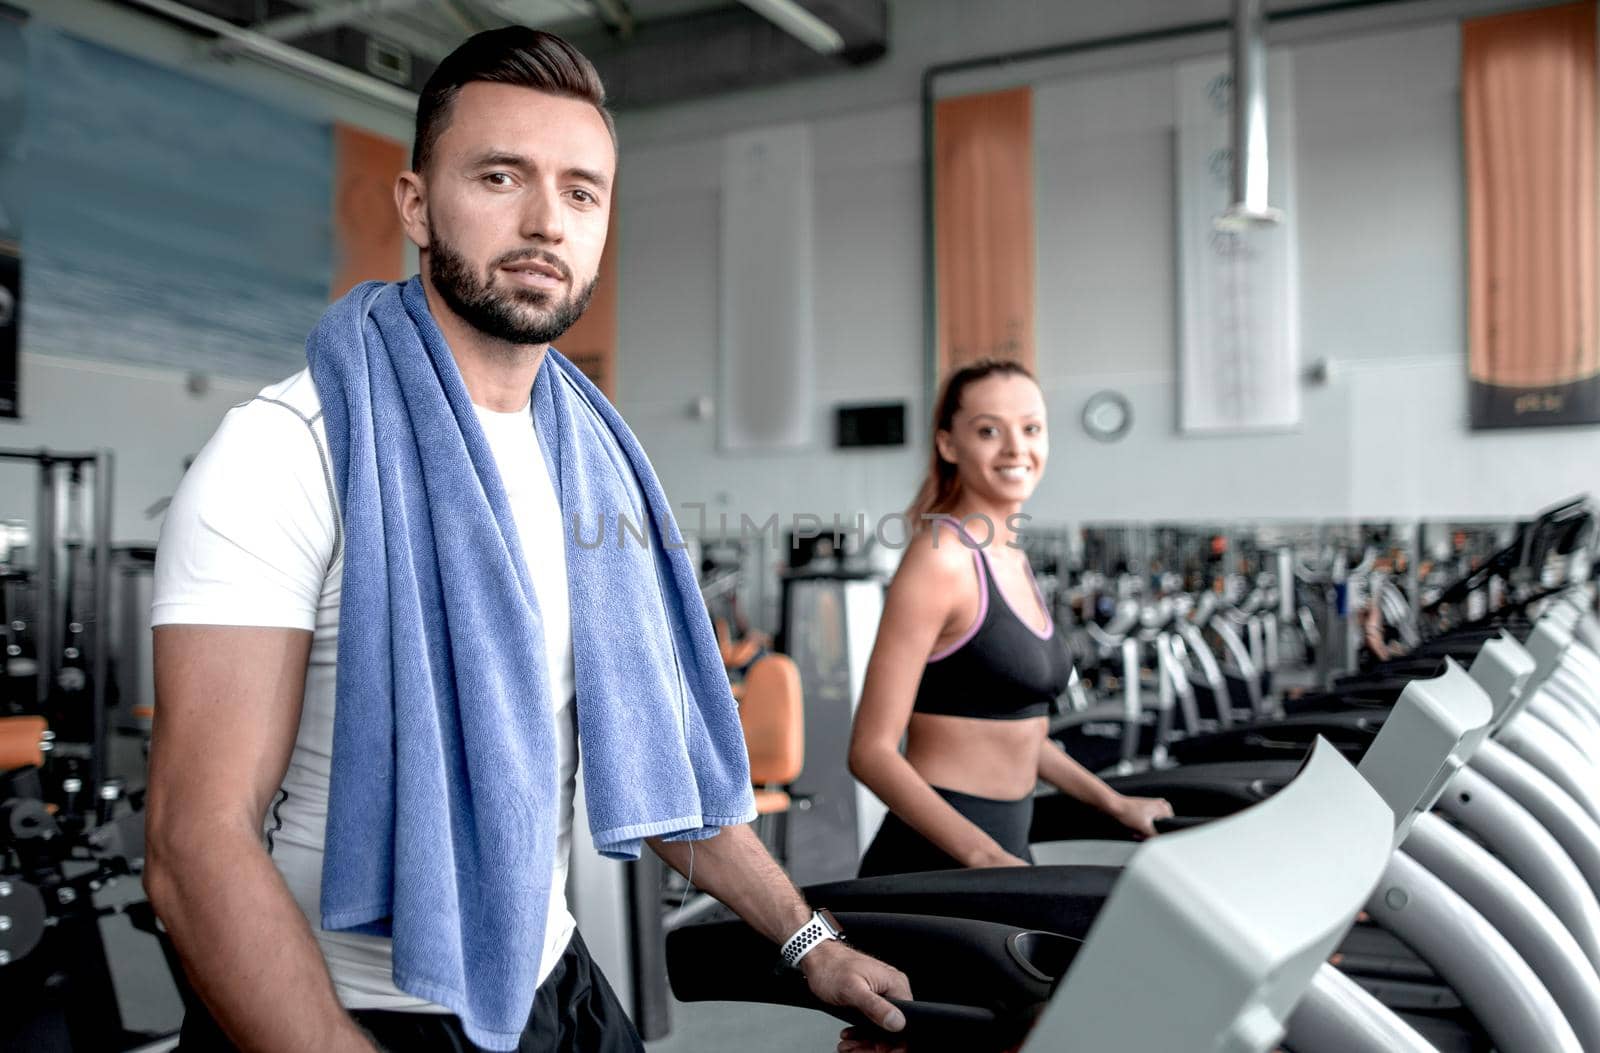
(998, 759)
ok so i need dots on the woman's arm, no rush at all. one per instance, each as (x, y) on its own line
(1073, 779)
(924, 597)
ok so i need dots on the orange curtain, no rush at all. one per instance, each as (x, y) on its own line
(368, 244)
(1528, 83)
(983, 226)
(591, 344)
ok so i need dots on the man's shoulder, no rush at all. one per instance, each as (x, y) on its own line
(275, 432)
(253, 517)
(294, 395)
(280, 417)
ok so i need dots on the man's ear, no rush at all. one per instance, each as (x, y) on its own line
(411, 202)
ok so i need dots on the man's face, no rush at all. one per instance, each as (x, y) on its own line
(518, 199)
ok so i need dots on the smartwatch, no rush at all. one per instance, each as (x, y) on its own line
(822, 926)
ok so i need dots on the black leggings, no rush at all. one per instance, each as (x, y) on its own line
(898, 849)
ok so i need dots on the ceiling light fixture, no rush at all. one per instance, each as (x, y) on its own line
(799, 23)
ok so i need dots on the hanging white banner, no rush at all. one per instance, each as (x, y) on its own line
(1239, 346)
(767, 360)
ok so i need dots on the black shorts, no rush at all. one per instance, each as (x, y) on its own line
(574, 1011)
(898, 849)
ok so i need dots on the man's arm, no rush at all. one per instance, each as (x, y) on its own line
(736, 868)
(227, 712)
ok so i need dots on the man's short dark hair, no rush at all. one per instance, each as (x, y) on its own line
(527, 58)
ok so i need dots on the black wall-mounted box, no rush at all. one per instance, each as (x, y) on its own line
(881, 424)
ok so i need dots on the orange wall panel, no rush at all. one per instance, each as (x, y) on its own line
(983, 227)
(1528, 83)
(591, 343)
(368, 244)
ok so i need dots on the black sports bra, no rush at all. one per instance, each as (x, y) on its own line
(1002, 668)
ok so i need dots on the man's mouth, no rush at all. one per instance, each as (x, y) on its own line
(536, 274)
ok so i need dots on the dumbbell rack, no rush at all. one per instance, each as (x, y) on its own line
(52, 602)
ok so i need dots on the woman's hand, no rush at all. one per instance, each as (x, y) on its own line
(996, 856)
(1139, 814)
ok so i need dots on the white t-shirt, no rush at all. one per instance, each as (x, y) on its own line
(253, 538)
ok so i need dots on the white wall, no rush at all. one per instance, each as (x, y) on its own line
(867, 318)
(1382, 285)
(924, 33)
(1382, 289)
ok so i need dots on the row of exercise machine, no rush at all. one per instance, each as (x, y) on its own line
(1157, 660)
(1407, 860)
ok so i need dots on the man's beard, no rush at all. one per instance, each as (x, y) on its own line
(517, 316)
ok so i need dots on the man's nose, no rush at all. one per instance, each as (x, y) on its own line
(542, 215)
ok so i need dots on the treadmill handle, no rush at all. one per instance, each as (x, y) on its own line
(1181, 822)
(941, 1027)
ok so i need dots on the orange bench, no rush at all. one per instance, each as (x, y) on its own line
(22, 742)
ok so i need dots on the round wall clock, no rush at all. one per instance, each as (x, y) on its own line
(1107, 416)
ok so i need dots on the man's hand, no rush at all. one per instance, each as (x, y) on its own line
(737, 869)
(842, 976)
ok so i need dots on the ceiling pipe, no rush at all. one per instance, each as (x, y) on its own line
(292, 27)
(617, 15)
(538, 12)
(469, 22)
(423, 43)
(799, 23)
(276, 53)
(1249, 207)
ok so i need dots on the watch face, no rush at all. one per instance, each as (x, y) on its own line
(830, 921)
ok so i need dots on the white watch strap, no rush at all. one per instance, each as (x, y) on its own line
(803, 942)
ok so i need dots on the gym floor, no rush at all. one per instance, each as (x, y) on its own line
(730, 1025)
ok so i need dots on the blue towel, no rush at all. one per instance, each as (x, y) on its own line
(442, 807)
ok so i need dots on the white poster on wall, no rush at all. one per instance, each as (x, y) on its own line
(766, 358)
(1239, 302)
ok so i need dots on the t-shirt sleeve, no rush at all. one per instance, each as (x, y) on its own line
(250, 534)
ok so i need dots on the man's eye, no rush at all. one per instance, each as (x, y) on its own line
(498, 179)
(584, 196)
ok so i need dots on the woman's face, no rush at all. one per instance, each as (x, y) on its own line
(998, 440)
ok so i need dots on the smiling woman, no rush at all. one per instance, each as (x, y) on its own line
(967, 664)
